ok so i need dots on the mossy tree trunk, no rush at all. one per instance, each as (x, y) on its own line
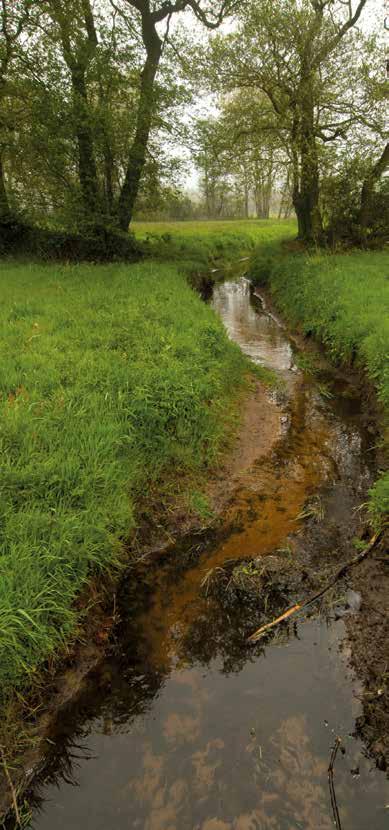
(87, 169)
(146, 108)
(78, 54)
(306, 190)
(5, 210)
(378, 169)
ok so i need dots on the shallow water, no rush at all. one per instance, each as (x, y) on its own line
(186, 727)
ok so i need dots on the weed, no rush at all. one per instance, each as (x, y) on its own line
(325, 391)
(305, 363)
(199, 504)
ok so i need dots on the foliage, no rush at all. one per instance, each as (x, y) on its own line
(379, 500)
(242, 159)
(342, 299)
(297, 57)
(101, 245)
(340, 199)
(104, 389)
(88, 97)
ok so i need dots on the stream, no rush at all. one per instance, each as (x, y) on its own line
(187, 727)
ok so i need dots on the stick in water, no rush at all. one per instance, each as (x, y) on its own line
(300, 605)
(334, 803)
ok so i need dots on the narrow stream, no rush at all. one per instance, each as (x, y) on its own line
(185, 726)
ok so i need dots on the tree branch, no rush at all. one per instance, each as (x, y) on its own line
(352, 19)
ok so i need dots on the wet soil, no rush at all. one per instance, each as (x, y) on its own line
(186, 725)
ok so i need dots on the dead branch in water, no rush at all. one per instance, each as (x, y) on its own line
(301, 605)
(11, 786)
(334, 803)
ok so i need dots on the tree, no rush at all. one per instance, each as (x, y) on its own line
(377, 170)
(210, 15)
(79, 43)
(252, 135)
(295, 54)
(241, 155)
(13, 21)
(86, 79)
(209, 155)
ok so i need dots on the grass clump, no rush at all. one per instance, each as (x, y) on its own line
(343, 299)
(110, 377)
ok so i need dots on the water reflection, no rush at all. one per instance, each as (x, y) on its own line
(256, 334)
(249, 749)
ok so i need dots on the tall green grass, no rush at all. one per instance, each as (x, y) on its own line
(215, 243)
(110, 377)
(343, 299)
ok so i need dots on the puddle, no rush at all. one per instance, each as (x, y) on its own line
(185, 726)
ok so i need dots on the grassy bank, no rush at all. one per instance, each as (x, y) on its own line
(111, 377)
(343, 300)
(199, 246)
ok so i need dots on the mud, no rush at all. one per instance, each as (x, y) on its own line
(186, 725)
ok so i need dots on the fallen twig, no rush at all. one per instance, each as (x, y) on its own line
(301, 605)
(11, 786)
(334, 803)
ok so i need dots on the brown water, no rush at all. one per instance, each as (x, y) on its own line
(186, 727)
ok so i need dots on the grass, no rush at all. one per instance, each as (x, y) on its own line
(207, 244)
(111, 376)
(343, 300)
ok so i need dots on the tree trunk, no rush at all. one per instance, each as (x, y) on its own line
(246, 200)
(137, 156)
(86, 159)
(207, 194)
(5, 210)
(368, 188)
(306, 202)
(306, 192)
(77, 58)
(108, 177)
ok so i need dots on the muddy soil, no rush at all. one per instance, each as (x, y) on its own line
(184, 724)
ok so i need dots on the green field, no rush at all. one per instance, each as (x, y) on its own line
(254, 229)
(343, 300)
(201, 245)
(111, 377)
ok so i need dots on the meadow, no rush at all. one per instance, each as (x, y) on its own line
(343, 300)
(200, 245)
(111, 378)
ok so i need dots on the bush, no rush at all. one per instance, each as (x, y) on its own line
(103, 245)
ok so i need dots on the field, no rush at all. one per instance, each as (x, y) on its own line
(111, 376)
(343, 300)
(205, 244)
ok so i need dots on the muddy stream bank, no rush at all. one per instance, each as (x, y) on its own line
(184, 726)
